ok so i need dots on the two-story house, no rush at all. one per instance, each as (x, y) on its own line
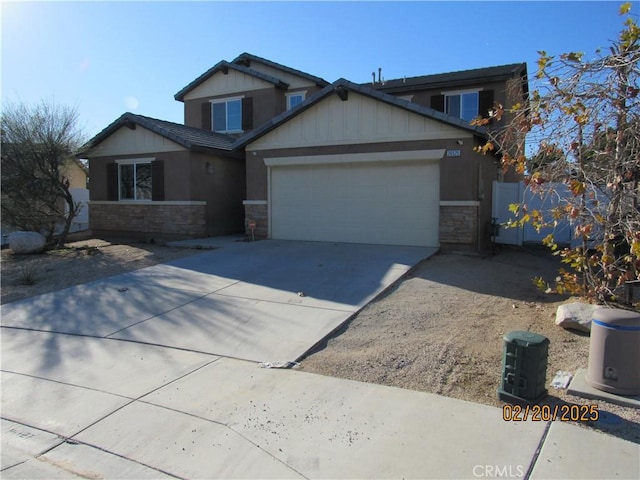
(271, 147)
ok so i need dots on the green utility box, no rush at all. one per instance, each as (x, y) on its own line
(524, 367)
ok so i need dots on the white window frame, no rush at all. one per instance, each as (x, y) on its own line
(134, 161)
(302, 94)
(225, 101)
(452, 93)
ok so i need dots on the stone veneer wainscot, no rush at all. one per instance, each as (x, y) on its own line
(459, 222)
(173, 219)
(258, 211)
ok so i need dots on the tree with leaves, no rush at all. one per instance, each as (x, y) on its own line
(38, 143)
(582, 127)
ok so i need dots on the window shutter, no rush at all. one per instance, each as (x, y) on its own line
(157, 180)
(112, 182)
(206, 116)
(485, 102)
(437, 102)
(247, 113)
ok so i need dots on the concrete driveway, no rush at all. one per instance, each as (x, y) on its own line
(262, 301)
(154, 374)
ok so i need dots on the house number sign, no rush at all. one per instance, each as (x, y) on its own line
(453, 153)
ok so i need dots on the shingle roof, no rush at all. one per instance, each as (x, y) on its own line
(248, 58)
(453, 79)
(189, 137)
(221, 67)
(343, 84)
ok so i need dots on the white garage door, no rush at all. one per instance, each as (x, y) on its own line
(380, 202)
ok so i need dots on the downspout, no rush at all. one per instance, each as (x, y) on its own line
(479, 210)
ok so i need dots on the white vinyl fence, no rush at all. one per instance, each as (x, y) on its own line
(80, 222)
(505, 194)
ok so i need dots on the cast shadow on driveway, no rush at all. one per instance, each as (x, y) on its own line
(262, 301)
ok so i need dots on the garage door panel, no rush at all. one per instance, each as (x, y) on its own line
(384, 203)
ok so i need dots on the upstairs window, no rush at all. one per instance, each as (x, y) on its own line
(294, 99)
(462, 105)
(226, 115)
(134, 180)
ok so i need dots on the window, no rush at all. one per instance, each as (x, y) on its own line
(227, 115)
(463, 105)
(134, 180)
(294, 99)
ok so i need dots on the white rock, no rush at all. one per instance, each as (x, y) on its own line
(26, 242)
(576, 316)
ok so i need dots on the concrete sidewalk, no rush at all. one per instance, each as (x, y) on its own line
(106, 384)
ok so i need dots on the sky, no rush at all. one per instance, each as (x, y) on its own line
(107, 58)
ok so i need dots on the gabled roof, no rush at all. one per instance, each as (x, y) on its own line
(452, 79)
(247, 58)
(224, 67)
(340, 87)
(189, 137)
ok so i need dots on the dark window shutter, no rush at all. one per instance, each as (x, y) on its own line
(247, 113)
(157, 180)
(437, 102)
(112, 182)
(485, 102)
(206, 116)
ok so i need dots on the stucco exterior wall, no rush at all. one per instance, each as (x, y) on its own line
(220, 182)
(267, 103)
(177, 174)
(215, 183)
(465, 184)
(458, 175)
(75, 174)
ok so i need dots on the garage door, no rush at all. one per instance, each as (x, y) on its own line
(390, 203)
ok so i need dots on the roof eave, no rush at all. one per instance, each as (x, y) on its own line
(366, 91)
(224, 66)
(246, 58)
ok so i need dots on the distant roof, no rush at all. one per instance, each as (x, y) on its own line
(224, 66)
(189, 137)
(452, 79)
(246, 59)
(341, 85)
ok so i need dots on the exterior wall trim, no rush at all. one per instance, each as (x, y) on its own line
(411, 155)
(130, 161)
(459, 203)
(146, 202)
(254, 202)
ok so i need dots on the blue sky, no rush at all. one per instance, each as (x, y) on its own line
(107, 58)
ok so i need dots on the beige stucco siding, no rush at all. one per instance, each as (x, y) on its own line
(125, 141)
(232, 83)
(358, 120)
(75, 174)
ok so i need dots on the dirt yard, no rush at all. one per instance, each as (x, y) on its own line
(439, 329)
(81, 261)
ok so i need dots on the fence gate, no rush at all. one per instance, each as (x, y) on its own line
(504, 194)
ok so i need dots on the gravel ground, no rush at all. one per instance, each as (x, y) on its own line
(81, 261)
(440, 329)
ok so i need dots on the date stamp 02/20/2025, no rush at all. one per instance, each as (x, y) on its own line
(546, 413)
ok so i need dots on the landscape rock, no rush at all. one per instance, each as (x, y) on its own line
(26, 242)
(576, 316)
